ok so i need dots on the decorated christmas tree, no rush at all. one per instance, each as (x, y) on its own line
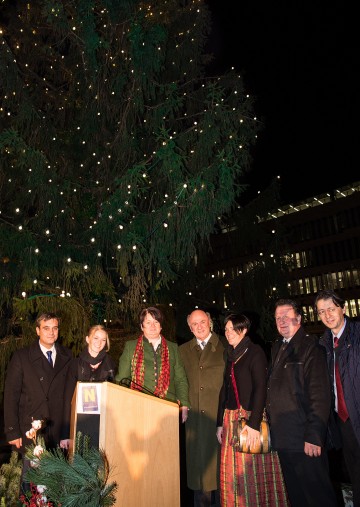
(118, 154)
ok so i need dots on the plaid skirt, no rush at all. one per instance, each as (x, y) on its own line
(249, 480)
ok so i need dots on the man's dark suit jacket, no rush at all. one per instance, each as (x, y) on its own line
(35, 390)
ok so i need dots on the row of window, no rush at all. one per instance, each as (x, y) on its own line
(329, 253)
(347, 279)
(336, 280)
(316, 256)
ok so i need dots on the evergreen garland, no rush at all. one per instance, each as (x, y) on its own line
(77, 482)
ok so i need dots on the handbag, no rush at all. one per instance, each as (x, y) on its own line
(238, 440)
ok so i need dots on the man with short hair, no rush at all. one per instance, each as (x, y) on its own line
(203, 358)
(34, 388)
(341, 340)
(298, 405)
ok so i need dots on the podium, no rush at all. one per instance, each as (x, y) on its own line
(140, 436)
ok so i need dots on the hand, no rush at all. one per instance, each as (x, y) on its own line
(219, 433)
(252, 436)
(312, 450)
(65, 444)
(184, 413)
(17, 442)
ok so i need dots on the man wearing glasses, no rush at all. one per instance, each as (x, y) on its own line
(342, 343)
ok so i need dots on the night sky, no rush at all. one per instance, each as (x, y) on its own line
(301, 62)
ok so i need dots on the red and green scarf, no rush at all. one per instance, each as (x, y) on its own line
(138, 368)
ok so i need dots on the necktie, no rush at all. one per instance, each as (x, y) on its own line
(49, 354)
(342, 410)
(203, 345)
(281, 350)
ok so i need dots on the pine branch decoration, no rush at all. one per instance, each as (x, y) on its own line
(79, 482)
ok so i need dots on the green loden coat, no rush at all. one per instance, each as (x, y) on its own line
(205, 370)
(178, 388)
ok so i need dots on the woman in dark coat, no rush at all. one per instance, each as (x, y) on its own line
(94, 364)
(245, 479)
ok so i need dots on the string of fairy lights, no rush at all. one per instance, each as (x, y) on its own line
(59, 196)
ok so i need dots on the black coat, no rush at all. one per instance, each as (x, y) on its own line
(35, 390)
(349, 366)
(80, 371)
(250, 375)
(299, 393)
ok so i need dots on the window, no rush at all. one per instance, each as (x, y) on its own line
(301, 286)
(353, 307)
(314, 283)
(311, 317)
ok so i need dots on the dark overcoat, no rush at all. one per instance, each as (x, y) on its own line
(250, 372)
(34, 390)
(349, 368)
(205, 372)
(80, 371)
(299, 393)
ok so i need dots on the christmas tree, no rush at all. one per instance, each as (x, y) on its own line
(118, 154)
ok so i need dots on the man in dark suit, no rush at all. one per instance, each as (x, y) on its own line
(298, 405)
(341, 340)
(34, 388)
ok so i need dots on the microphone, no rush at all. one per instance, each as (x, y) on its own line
(126, 381)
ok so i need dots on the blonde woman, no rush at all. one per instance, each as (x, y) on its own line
(94, 364)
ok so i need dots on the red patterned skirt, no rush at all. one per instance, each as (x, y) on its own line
(249, 480)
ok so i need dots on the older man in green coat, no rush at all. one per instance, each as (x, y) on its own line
(203, 358)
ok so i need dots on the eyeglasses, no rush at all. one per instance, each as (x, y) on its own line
(330, 311)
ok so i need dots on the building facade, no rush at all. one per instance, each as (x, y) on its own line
(319, 246)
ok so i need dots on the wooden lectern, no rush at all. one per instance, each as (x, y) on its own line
(140, 436)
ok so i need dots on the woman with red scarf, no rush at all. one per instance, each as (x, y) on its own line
(152, 364)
